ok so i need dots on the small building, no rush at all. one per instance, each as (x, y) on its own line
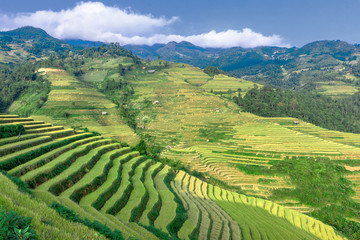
(156, 102)
(216, 110)
(104, 113)
(151, 71)
(296, 122)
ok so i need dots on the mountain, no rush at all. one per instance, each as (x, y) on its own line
(30, 43)
(187, 51)
(338, 49)
(320, 61)
(201, 57)
(325, 67)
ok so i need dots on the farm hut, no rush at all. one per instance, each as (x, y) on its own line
(104, 113)
(156, 102)
(151, 71)
(296, 122)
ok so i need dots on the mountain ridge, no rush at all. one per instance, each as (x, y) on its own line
(28, 42)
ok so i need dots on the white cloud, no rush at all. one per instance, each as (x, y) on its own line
(97, 22)
(225, 39)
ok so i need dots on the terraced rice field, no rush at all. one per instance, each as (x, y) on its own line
(75, 104)
(336, 88)
(211, 134)
(227, 214)
(101, 180)
(223, 83)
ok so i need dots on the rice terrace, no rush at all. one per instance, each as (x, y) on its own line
(117, 129)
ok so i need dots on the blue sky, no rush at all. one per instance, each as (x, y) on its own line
(208, 23)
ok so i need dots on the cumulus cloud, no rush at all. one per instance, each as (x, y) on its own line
(97, 22)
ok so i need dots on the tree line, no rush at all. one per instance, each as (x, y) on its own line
(340, 114)
(16, 79)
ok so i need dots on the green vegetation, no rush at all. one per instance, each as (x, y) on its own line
(13, 226)
(334, 215)
(83, 106)
(336, 114)
(72, 216)
(311, 66)
(22, 80)
(29, 43)
(322, 184)
(46, 223)
(212, 71)
(134, 197)
(214, 134)
(318, 181)
(221, 142)
(22, 187)
(11, 130)
(255, 208)
(186, 122)
(28, 155)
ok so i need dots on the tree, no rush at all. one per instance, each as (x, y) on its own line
(121, 70)
(294, 104)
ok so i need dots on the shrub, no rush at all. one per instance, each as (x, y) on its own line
(22, 187)
(101, 228)
(334, 215)
(181, 213)
(11, 130)
(318, 181)
(14, 226)
(157, 232)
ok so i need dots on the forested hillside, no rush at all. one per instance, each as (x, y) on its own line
(340, 114)
(29, 44)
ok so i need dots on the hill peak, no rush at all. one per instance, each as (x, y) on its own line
(27, 33)
(328, 46)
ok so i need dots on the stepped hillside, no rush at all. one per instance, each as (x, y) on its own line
(74, 104)
(187, 116)
(211, 134)
(102, 180)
